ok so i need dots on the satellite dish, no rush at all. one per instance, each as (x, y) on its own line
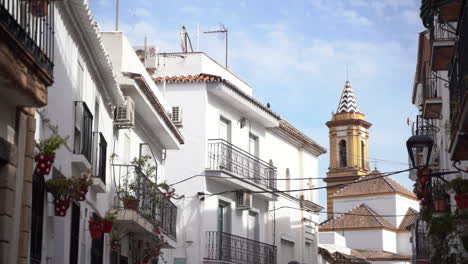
(185, 40)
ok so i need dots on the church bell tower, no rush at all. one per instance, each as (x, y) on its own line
(349, 148)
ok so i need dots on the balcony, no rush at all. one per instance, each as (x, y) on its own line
(427, 128)
(459, 93)
(421, 242)
(432, 98)
(226, 248)
(155, 209)
(28, 26)
(83, 136)
(99, 157)
(226, 157)
(443, 37)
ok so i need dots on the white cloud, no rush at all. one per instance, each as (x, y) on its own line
(141, 12)
(354, 18)
(190, 10)
(340, 12)
(411, 17)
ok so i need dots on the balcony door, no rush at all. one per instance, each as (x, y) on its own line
(253, 246)
(225, 153)
(224, 229)
(254, 165)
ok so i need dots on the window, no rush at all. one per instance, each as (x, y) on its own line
(83, 130)
(252, 226)
(363, 154)
(37, 218)
(224, 129)
(74, 233)
(287, 251)
(253, 145)
(342, 154)
(288, 180)
(79, 82)
(224, 224)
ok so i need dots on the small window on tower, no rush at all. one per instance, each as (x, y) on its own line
(342, 154)
(363, 154)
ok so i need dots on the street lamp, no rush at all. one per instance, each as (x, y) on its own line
(419, 149)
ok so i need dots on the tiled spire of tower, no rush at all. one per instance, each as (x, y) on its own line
(348, 102)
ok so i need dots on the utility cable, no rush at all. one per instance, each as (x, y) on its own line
(318, 188)
(339, 213)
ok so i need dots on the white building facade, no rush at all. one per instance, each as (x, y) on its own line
(112, 118)
(236, 148)
(375, 215)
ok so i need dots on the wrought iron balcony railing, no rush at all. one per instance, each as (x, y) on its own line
(444, 32)
(31, 24)
(235, 249)
(431, 88)
(99, 156)
(424, 127)
(223, 155)
(421, 241)
(152, 204)
(458, 71)
(83, 140)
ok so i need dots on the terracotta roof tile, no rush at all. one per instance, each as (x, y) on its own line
(140, 80)
(360, 217)
(203, 77)
(340, 258)
(294, 132)
(377, 255)
(409, 219)
(373, 186)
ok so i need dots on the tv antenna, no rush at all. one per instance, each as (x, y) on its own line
(224, 31)
(184, 40)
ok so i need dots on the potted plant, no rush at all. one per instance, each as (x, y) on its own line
(460, 186)
(82, 184)
(108, 222)
(440, 227)
(39, 8)
(95, 227)
(127, 196)
(63, 190)
(115, 237)
(46, 155)
(439, 197)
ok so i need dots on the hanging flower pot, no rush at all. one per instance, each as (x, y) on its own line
(95, 228)
(107, 226)
(83, 192)
(108, 222)
(46, 151)
(43, 164)
(440, 206)
(115, 246)
(39, 8)
(61, 207)
(462, 200)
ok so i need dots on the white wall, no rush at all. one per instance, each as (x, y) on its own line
(60, 113)
(404, 243)
(364, 239)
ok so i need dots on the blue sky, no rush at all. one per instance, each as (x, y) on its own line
(295, 53)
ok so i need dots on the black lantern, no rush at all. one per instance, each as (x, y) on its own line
(419, 150)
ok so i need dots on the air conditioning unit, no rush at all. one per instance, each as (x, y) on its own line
(148, 57)
(125, 114)
(176, 115)
(244, 200)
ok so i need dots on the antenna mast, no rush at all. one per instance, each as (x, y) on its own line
(116, 15)
(225, 32)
